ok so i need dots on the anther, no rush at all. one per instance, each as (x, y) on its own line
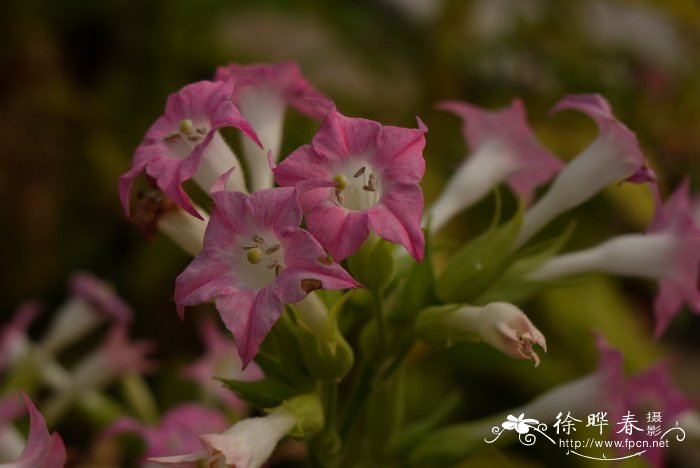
(359, 172)
(371, 184)
(272, 249)
(202, 131)
(172, 136)
(257, 239)
(339, 196)
(273, 265)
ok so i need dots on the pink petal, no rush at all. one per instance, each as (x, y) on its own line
(284, 77)
(202, 102)
(339, 230)
(101, 296)
(250, 317)
(400, 154)
(11, 407)
(508, 128)
(124, 355)
(274, 208)
(43, 450)
(303, 164)
(598, 109)
(341, 136)
(397, 219)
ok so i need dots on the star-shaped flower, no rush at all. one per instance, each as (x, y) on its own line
(363, 177)
(263, 92)
(185, 142)
(254, 260)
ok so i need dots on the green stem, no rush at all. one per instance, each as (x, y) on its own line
(381, 319)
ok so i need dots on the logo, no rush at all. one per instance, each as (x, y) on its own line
(628, 434)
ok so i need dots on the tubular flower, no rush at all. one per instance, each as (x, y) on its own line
(92, 301)
(503, 148)
(178, 430)
(250, 442)
(500, 324)
(43, 450)
(254, 260)
(653, 391)
(603, 389)
(185, 143)
(612, 157)
(14, 342)
(263, 92)
(669, 253)
(362, 177)
(221, 360)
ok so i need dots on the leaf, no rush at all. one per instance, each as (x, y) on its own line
(479, 263)
(266, 393)
(418, 290)
(513, 285)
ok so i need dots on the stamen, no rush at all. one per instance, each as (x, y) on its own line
(186, 126)
(172, 136)
(359, 172)
(339, 196)
(202, 131)
(272, 249)
(273, 265)
(277, 271)
(254, 255)
(193, 138)
(257, 239)
(371, 184)
(251, 246)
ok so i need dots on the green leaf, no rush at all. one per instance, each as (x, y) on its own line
(479, 263)
(266, 393)
(513, 285)
(418, 290)
(280, 353)
(373, 265)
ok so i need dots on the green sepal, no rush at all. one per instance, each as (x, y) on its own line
(280, 353)
(432, 326)
(373, 264)
(479, 263)
(264, 393)
(413, 433)
(308, 412)
(326, 358)
(513, 286)
(447, 446)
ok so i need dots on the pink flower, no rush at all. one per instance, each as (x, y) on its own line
(653, 391)
(185, 143)
(254, 260)
(43, 450)
(92, 302)
(246, 444)
(221, 360)
(503, 148)
(263, 92)
(613, 156)
(14, 342)
(669, 253)
(365, 178)
(177, 432)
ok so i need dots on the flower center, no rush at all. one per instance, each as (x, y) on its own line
(261, 260)
(185, 138)
(356, 187)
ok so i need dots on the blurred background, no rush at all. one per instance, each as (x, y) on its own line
(81, 81)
